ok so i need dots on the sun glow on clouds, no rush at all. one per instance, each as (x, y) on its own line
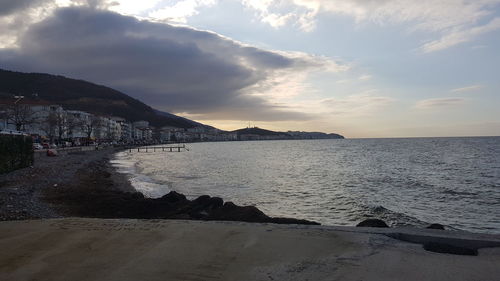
(467, 89)
(132, 7)
(439, 103)
(180, 11)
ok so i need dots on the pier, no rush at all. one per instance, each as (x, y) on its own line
(168, 148)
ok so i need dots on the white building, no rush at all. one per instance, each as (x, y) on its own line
(77, 119)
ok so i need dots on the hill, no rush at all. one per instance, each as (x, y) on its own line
(267, 134)
(81, 95)
(259, 132)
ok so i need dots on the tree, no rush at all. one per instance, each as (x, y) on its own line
(60, 120)
(49, 125)
(91, 125)
(72, 123)
(20, 115)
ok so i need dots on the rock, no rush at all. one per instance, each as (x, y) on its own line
(203, 206)
(137, 195)
(216, 202)
(372, 223)
(206, 202)
(173, 197)
(201, 200)
(436, 226)
(231, 212)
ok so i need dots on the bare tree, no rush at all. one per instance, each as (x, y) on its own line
(49, 125)
(72, 123)
(91, 125)
(20, 115)
(60, 119)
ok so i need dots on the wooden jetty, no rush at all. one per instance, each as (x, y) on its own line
(168, 148)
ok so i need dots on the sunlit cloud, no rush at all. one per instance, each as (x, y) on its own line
(467, 89)
(180, 11)
(365, 77)
(460, 36)
(132, 7)
(439, 103)
(357, 105)
(454, 21)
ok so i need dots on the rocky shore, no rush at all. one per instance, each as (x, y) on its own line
(83, 184)
(22, 191)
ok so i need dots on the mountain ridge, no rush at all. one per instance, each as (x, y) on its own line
(77, 94)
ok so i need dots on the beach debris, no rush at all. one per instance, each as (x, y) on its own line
(51, 152)
(372, 223)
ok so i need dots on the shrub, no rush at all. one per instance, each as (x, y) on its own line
(16, 152)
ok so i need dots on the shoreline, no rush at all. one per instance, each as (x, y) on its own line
(85, 184)
(86, 222)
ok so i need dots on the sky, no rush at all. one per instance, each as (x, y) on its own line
(360, 68)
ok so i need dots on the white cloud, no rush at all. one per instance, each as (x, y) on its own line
(455, 21)
(180, 11)
(357, 105)
(460, 36)
(467, 89)
(132, 7)
(439, 103)
(365, 77)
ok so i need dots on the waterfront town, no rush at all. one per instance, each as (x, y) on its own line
(53, 124)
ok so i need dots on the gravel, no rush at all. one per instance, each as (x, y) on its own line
(22, 191)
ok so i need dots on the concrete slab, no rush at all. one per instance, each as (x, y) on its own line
(119, 249)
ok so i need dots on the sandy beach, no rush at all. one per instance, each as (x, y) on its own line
(95, 249)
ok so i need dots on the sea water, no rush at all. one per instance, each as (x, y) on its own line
(413, 181)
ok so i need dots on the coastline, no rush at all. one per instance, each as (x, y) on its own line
(85, 184)
(85, 221)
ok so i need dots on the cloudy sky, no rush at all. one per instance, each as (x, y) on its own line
(362, 68)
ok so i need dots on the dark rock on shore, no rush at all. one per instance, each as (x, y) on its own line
(95, 195)
(89, 187)
(436, 226)
(372, 223)
(173, 197)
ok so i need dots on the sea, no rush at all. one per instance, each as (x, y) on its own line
(404, 181)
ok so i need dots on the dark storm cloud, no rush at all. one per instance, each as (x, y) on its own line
(8, 7)
(171, 68)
